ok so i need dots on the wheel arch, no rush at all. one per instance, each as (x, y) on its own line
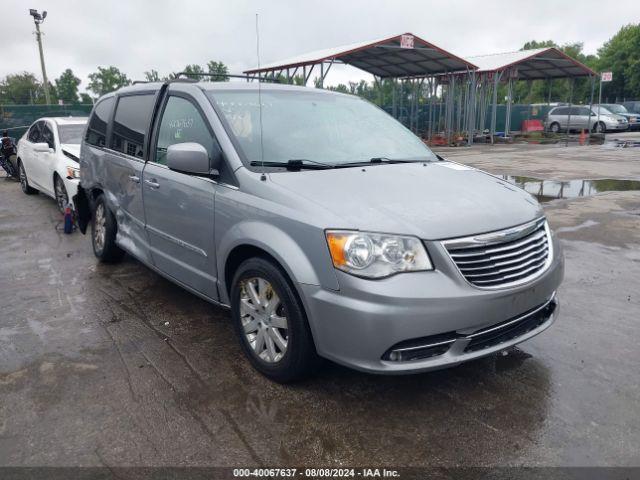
(257, 239)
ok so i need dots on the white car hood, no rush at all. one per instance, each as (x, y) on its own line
(71, 148)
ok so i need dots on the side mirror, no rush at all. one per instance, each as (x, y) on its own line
(41, 147)
(189, 157)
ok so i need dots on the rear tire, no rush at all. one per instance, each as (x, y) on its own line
(554, 127)
(271, 323)
(24, 182)
(103, 233)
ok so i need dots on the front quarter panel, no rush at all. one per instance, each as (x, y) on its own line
(299, 246)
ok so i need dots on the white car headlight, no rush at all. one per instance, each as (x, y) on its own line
(376, 255)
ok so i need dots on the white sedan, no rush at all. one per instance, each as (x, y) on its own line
(48, 156)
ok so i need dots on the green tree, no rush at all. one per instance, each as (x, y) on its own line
(219, 69)
(107, 79)
(194, 71)
(67, 87)
(85, 98)
(621, 55)
(152, 76)
(21, 89)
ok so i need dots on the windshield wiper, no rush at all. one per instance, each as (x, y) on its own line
(294, 164)
(377, 160)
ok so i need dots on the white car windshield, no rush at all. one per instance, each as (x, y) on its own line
(315, 126)
(71, 133)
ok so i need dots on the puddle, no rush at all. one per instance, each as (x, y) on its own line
(623, 143)
(547, 190)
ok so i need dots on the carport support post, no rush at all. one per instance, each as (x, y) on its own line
(593, 83)
(566, 143)
(507, 114)
(471, 112)
(494, 107)
(599, 100)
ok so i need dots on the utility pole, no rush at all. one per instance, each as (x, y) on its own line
(38, 19)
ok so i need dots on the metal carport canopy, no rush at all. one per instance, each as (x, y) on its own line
(383, 58)
(533, 64)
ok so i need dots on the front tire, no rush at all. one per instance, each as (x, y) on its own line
(600, 127)
(62, 198)
(103, 233)
(24, 182)
(270, 322)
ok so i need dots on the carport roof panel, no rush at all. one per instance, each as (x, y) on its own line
(533, 64)
(384, 58)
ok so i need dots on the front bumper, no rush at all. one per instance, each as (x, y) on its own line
(360, 324)
(71, 184)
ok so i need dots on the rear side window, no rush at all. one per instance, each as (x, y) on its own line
(130, 124)
(560, 111)
(97, 128)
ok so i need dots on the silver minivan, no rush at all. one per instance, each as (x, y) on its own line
(326, 227)
(596, 119)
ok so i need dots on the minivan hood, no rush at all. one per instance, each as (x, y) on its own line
(431, 200)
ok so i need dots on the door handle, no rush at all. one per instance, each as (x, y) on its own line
(134, 178)
(152, 183)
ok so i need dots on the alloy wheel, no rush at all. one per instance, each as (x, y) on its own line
(264, 320)
(100, 227)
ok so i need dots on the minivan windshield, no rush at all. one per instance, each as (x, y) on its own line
(315, 126)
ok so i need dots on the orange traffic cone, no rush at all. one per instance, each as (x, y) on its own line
(583, 136)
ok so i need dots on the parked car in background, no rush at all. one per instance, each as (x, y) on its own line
(328, 228)
(632, 106)
(48, 156)
(632, 118)
(578, 118)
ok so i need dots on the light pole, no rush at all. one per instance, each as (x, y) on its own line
(38, 19)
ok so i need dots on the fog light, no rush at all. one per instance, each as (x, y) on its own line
(395, 356)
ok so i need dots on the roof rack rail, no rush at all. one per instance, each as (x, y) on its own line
(220, 75)
(136, 82)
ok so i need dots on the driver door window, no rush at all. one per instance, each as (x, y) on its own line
(182, 122)
(34, 133)
(47, 136)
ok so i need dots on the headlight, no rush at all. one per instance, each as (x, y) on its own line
(73, 172)
(376, 255)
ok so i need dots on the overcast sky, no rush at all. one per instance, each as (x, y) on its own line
(167, 34)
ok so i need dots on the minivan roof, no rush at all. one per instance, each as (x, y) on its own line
(233, 85)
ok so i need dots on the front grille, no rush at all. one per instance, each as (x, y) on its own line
(505, 258)
(511, 329)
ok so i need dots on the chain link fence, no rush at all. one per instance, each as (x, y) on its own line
(16, 119)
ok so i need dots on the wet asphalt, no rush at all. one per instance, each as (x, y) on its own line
(113, 365)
